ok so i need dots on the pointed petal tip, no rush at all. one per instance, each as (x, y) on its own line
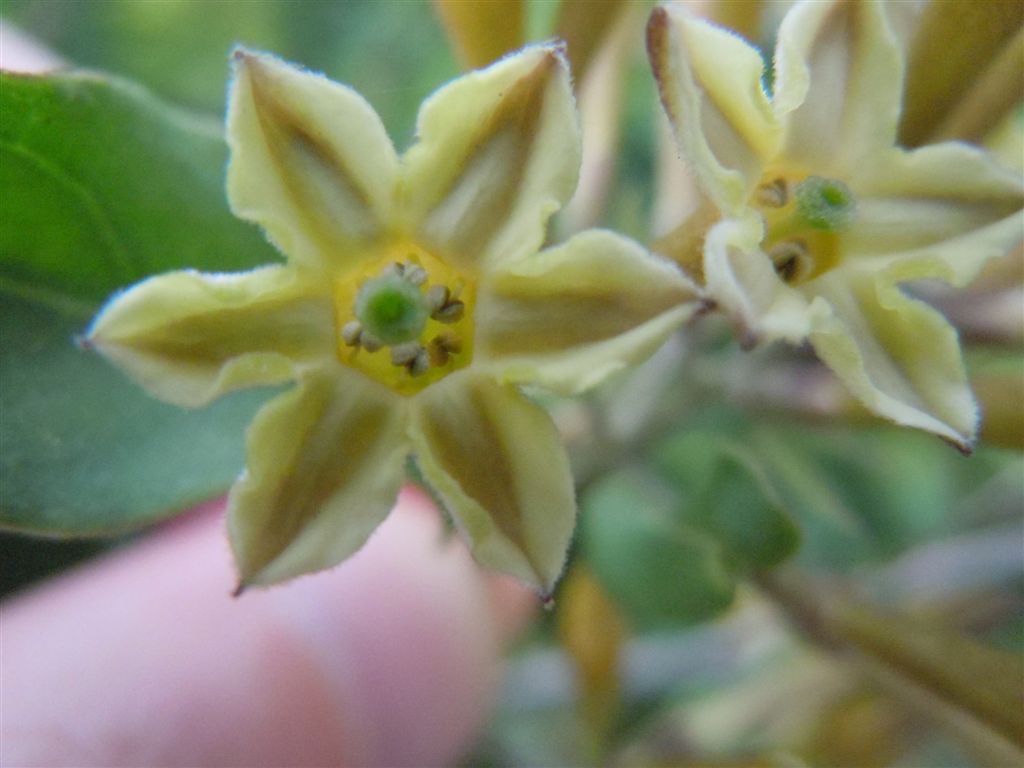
(705, 305)
(241, 55)
(237, 591)
(964, 447)
(554, 53)
(548, 53)
(556, 48)
(748, 339)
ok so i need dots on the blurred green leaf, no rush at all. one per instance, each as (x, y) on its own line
(728, 495)
(740, 509)
(865, 494)
(85, 451)
(660, 572)
(103, 185)
(179, 49)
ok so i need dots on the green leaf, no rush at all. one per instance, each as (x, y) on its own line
(659, 571)
(85, 451)
(728, 495)
(103, 185)
(865, 494)
(741, 510)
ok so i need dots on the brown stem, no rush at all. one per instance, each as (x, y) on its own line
(975, 691)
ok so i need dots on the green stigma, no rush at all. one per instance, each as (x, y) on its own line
(391, 308)
(825, 203)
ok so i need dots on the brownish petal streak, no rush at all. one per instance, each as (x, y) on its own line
(478, 459)
(328, 457)
(657, 52)
(685, 244)
(190, 339)
(285, 132)
(517, 114)
(525, 319)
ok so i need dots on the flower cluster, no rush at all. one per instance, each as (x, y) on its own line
(412, 304)
(819, 216)
(416, 297)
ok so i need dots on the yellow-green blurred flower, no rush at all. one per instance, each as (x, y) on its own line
(412, 303)
(820, 215)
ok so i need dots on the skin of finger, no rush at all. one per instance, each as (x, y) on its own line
(142, 658)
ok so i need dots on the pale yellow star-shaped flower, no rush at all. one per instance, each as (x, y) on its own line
(412, 304)
(819, 216)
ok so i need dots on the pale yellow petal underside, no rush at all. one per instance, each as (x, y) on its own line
(323, 469)
(189, 337)
(839, 79)
(572, 315)
(741, 278)
(710, 85)
(897, 355)
(949, 204)
(497, 462)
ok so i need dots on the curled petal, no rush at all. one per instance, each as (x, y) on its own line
(947, 203)
(323, 469)
(498, 152)
(839, 80)
(310, 160)
(710, 84)
(570, 316)
(741, 279)
(189, 337)
(896, 354)
(496, 461)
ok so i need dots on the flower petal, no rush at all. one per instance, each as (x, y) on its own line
(189, 337)
(946, 202)
(310, 160)
(710, 84)
(497, 463)
(498, 153)
(324, 467)
(570, 316)
(839, 79)
(896, 354)
(741, 279)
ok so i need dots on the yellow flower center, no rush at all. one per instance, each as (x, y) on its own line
(405, 318)
(804, 217)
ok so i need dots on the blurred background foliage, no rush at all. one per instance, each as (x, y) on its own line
(669, 644)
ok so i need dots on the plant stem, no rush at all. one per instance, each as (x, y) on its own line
(976, 692)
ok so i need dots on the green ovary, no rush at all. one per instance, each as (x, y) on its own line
(392, 309)
(826, 204)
